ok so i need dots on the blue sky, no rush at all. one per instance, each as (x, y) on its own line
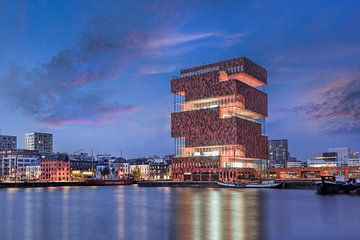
(97, 73)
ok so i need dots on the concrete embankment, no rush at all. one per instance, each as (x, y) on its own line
(39, 184)
(177, 184)
(285, 184)
(298, 184)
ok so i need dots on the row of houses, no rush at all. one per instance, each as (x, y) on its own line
(29, 165)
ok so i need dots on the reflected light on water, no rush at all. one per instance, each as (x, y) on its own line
(120, 212)
(129, 213)
(217, 214)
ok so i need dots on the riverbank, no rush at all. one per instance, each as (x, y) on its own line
(285, 184)
(39, 184)
(188, 184)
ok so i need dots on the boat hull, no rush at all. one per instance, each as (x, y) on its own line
(272, 185)
(327, 188)
(229, 185)
(259, 185)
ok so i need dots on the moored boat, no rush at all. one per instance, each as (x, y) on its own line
(264, 184)
(327, 185)
(230, 185)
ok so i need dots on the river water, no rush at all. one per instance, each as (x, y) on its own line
(130, 212)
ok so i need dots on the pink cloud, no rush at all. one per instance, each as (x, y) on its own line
(97, 115)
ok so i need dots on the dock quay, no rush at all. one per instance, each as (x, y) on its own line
(39, 184)
(286, 184)
(189, 184)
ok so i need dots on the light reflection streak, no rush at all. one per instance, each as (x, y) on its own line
(120, 212)
(237, 215)
(65, 213)
(215, 223)
(28, 218)
(9, 212)
(196, 220)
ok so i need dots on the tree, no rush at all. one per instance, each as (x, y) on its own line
(136, 173)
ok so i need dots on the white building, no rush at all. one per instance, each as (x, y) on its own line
(321, 163)
(33, 172)
(141, 169)
(354, 162)
(12, 166)
(295, 164)
(8, 143)
(42, 142)
(343, 154)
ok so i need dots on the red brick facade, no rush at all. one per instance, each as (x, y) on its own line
(208, 85)
(55, 171)
(249, 67)
(204, 126)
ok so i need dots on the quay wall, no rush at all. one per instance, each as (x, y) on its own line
(189, 184)
(285, 184)
(39, 184)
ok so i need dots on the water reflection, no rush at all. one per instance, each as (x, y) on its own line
(216, 214)
(130, 212)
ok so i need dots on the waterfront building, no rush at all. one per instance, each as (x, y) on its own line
(218, 121)
(104, 157)
(295, 164)
(123, 169)
(13, 163)
(42, 142)
(159, 171)
(82, 166)
(354, 162)
(326, 159)
(278, 152)
(55, 168)
(33, 172)
(8, 143)
(140, 170)
(342, 154)
(313, 173)
(102, 170)
(116, 163)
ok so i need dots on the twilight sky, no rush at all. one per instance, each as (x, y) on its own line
(97, 73)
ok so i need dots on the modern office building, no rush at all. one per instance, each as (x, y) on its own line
(42, 142)
(278, 152)
(354, 162)
(218, 121)
(326, 159)
(13, 163)
(8, 143)
(343, 154)
(296, 164)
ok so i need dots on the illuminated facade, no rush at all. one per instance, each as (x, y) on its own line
(218, 121)
(55, 168)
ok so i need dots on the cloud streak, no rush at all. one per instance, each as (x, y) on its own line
(335, 106)
(69, 87)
